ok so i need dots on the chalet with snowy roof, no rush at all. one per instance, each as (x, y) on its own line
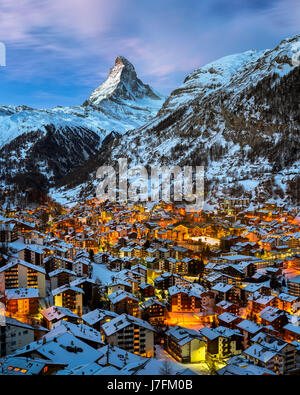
(69, 296)
(249, 329)
(167, 280)
(119, 285)
(98, 317)
(240, 271)
(252, 288)
(214, 278)
(226, 292)
(81, 266)
(54, 314)
(61, 277)
(240, 366)
(222, 343)
(154, 311)
(185, 345)
(273, 316)
(229, 320)
(33, 253)
(131, 334)
(81, 331)
(227, 242)
(140, 269)
(227, 307)
(258, 302)
(268, 244)
(272, 353)
(110, 356)
(22, 301)
(286, 302)
(20, 274)
(130, 275)
(64, 349)
(87, 285)
(124, 302)
(187, 299)
(55, 262)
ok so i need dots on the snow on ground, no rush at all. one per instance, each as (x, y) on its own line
(199, 368)
(100, 271)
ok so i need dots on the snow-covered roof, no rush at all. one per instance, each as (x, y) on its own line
(249, 326)
(97, 315)
(22, 293)
(58, 313)
(221, 287)
(122, 321)
(228, 317)
(80, 331)
(13, 261)
(120, 295)
(66, 287)
(61, 270)
(184, 335)
(64, 349)
(220, 331)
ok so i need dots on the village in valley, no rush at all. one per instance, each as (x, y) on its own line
(104, 288)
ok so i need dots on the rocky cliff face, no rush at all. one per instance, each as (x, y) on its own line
(123, 87)
(239, 117)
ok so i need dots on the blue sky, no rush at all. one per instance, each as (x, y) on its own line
(58, 51)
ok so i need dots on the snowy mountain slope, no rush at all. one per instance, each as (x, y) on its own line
(119, 104)
(238, 116)
(73, 134)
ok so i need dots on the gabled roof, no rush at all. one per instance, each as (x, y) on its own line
(62, 349)
(80, 331)
(97, 315)
(13, 261)
(120, 295)
(58, 313)
(184, 335)
(65, 288)
(121, 322)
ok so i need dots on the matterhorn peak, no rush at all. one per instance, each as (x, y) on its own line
(122, 84)
(121, 61)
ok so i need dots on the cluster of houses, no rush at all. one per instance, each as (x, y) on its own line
(103, 288)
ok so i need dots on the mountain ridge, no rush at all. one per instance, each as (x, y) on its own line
(238, 116)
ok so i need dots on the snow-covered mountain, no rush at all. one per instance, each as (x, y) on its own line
(123, 102)
(123, 87)
(238, 116)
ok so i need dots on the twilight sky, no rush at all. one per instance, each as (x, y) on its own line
(58, 51)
